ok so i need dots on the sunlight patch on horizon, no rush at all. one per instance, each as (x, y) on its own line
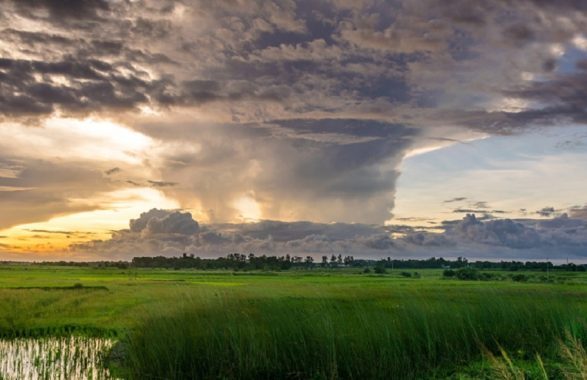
(116, 209)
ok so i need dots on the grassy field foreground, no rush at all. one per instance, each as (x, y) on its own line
(299, 325)
(346, 338)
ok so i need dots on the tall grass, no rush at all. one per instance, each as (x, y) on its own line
(300, 338)
(571, 363)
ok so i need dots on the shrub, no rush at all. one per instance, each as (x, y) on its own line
(486, 276)
(520, 277)
(380, 269)
(467, 274)
(448, 273)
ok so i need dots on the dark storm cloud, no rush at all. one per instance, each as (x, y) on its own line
(200, 92)
(82, 65)
(288, 231)
(365, 58)
(164, 222)
(91, 86)
(561, 99)
(563, 233)
(289, 166)
(427, 239)
(85, 9)
(32, 39)
(311, 102)
(173, 232)
(505, 232)
(505, 238)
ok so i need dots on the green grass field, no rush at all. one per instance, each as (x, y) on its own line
(306, 324)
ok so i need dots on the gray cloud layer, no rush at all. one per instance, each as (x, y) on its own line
(308, 106)
(364, 58)
(174, 232)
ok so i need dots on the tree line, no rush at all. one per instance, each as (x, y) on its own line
(250, 261)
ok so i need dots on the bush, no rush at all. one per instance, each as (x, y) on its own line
(448, 273)
(406, 274)
(367, 270)
(486, 276)
(520, 278)
(467, 274)
(380, 269)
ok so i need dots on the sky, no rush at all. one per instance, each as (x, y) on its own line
(401, 128)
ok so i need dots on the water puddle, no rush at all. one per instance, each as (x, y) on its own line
(71, 358)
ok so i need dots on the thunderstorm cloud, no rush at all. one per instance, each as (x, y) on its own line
(286, 110)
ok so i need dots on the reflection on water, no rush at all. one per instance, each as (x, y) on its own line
(69, 358)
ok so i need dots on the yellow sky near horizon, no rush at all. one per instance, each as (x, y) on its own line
(58, 233)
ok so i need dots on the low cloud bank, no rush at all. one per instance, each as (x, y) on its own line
(172, 232)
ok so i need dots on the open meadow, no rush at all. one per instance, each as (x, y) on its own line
(302, 324)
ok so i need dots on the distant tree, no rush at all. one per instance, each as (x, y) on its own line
(380, 267)
(461, 262)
